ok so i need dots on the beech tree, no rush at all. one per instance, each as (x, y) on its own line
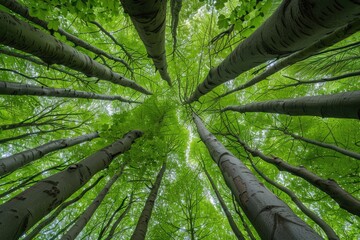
(261, 207)
(148, 18)
(232, 223)
(88, 213)
(18, 160)
(9, 88)
(22, 212)
(69, 68)
(307, 21)
(142, 225)
(341, 105)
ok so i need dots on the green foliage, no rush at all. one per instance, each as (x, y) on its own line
(166, 122)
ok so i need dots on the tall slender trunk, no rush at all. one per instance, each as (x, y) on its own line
(229, 217)
(149, 19)
(270, 216)
(22, 36)
(18, 160)
(293, 26)
(39, 62)
(11, 88)
(16, 7)
(321, 44)
(340, 105)
(175, 6)
(324, 145)
(313, 216)
(329, 186)
(90, 210)
(58, 210)
(142, 224)
(24, 211)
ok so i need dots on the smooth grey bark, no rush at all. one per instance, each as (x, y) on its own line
(340, 105)
(11, 88)
(175, 6)
(23, 211)
(16, 7)
(39, 62)
(58, 210)
(295, 25)
(270, 216)
(142, 224)
(149, 19)
(22, 36)
(324, 145)
(319, 45)
(324, 226)
(229, 217)
(84, 218)
(18, 160)
(22, 182)
(329, 186)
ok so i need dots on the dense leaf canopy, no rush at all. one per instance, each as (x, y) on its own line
(186, 206)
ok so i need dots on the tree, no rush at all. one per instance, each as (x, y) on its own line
(56, 52)
(13, 162)
(148, 18)
(80, 49)
(22, 212)
(341, 105)
(271, 217)
(88, 213)
(232, 223)
(142, 224)
(26, 89)
(307, 20)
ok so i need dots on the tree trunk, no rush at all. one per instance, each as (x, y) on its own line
(321, 44)
(229, 217)
(324, 145)
(24, 211)
(90, 210)
(175, 6)
(39, 62)
(142, 224)
(293, 26)
(11, 88)
(18, 160)
(58, 210)
(329, 186)
(22, 36)
(313, 216)
(149, 19)
(16, 7)
(340, 105)
(270, 216)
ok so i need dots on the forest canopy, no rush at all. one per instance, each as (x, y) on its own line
(210, 119)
